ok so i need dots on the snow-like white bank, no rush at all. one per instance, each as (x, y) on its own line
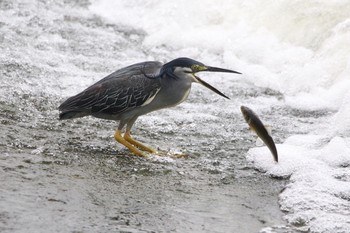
(318, 195)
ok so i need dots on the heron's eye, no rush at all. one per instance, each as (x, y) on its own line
(197, 68)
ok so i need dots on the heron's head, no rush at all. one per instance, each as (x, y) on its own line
(186, 67)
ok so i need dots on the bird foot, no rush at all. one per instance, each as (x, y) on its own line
(139, 149)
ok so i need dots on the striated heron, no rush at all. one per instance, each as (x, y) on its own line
(136, 90)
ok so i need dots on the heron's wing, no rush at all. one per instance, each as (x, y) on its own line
(122, 90)
(150, 68)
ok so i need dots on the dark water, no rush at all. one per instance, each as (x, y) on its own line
(72, 176)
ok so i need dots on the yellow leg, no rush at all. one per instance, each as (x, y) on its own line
(128, 138)
(119, 138)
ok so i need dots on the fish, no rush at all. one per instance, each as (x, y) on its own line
(258, 127)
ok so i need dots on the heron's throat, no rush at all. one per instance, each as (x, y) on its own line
(194, 78)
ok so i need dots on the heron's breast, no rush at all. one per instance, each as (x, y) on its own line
(177, 93)
(185, 96)
(169, 96)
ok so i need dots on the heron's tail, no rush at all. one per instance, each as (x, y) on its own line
(70, 109)
(71, 114)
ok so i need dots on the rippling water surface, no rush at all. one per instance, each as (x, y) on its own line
(71, 176)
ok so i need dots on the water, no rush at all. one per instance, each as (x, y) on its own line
(71, 176)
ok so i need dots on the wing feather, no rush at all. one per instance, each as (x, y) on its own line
(120, 91)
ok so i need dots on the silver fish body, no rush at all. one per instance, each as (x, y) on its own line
(258, 127)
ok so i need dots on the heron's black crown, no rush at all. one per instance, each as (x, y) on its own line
(168, 68)
(182, 62)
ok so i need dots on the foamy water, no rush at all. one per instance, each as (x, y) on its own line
(298, 48)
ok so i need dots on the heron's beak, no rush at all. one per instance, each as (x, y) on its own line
(214, 69)
(210, 87)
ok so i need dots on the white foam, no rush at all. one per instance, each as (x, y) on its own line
(296, 47)
(318, 195)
